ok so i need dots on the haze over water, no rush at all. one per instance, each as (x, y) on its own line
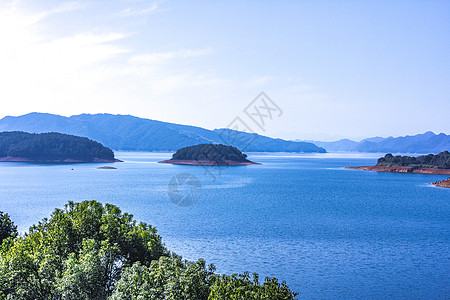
(327, 231)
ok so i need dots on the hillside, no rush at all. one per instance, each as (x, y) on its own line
(427, 142)
(131, 133)
(51, 148)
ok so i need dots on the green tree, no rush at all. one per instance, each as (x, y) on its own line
(92, 251)
(241, 287)
(7, 227)
(168, 278)
(85, 243)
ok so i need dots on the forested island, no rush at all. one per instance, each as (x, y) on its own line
(18, 146)
(209, 155)
(92, 251)
(425, 164)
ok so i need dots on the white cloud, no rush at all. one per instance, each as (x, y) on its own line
(102, 71)
(90, 71)
(259, 81)
(145, 8)
(165, 57)
(41, 73)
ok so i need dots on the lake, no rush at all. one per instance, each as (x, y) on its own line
(328, 232)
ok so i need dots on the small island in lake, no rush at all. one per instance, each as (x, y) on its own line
(18, 146)
(438, 164)
(107, 168)
(442, 183)
(209, 155)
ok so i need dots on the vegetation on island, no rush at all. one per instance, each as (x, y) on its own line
(210, 152)
(92, 251)
(438, 161)
(52, 147)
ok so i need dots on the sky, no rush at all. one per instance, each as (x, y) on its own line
(334, 69)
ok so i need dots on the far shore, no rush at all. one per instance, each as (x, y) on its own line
(401, 169)
(206, 162)
(56, 161)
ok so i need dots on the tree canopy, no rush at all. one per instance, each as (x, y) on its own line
(92, 251)
(7, 227)
(438, 161)
(52, 147)
(210, 152)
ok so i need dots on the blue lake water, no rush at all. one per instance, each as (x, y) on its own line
(327, 231)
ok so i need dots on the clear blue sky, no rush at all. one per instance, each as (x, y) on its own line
(335, 68)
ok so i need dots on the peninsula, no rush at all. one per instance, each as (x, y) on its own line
(438, 164)
(209, 155)
(18, 146)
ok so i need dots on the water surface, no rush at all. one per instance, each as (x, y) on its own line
(327, 231)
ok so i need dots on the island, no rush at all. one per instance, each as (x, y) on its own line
(438, 164)
(442, 183)
(209, 155)
(53, 147)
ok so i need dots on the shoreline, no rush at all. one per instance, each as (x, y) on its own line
(206, 162)
(403, 169)
(56, 161)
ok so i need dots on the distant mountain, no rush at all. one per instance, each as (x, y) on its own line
(125, 132)
(427, 142)
(341, 145)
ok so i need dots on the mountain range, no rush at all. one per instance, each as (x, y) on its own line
(427, 142)
(125, 132)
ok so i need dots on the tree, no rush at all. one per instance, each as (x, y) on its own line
(241, 287)
(86, 245)
(168, 278)
(92, 251)
(7, 227)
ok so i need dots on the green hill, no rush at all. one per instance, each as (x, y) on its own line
(51, 148)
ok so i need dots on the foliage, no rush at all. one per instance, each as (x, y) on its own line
(7, 227)
(76, 254)
(240, 287)
(51, 146)
(167, 278)
(210, 152)
(439, 161)
(92, 251)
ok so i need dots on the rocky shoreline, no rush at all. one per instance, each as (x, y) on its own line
(401, 169)
(64, 161)
(443, 183)
(206, 162)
